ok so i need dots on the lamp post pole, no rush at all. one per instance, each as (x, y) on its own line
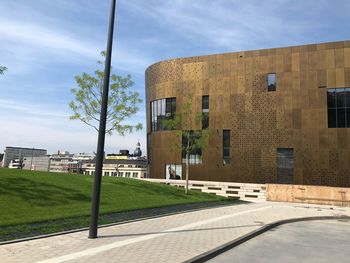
(102, 129)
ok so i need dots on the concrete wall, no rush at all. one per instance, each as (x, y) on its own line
(36, 163)
(248, 192)
(309, 194)
(12, 153)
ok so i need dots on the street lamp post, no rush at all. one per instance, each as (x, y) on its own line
(102, 129)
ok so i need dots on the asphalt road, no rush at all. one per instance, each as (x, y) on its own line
(308, 241)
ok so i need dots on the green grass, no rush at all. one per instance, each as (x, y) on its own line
(28, 197)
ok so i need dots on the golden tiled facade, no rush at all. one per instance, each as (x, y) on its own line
(260, 121)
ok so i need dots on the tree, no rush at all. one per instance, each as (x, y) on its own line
(2, 69)
(122, 103)
(191, 140)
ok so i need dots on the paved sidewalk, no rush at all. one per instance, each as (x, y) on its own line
(175, 238)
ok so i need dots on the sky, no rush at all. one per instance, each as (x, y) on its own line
(45, 43)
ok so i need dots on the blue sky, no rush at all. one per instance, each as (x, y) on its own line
(45, 43)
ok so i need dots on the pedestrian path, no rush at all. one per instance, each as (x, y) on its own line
(174, 238)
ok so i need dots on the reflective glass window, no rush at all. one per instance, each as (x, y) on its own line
(195, 154)
(285, 165)
(226, 141)
(161, 109)
(271, 82)
(338, 104)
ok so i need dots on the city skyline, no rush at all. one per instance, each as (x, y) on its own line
(46, 43)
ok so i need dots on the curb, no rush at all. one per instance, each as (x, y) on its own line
(236, 242)
(107, 225)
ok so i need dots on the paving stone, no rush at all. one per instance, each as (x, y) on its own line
(173, 238)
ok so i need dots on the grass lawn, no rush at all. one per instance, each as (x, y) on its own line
(28, 197)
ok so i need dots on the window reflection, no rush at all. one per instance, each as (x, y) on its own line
(226, 142)
(338, 103)
(161, 109)
(195, 156)
(285, 164)
(271, 82)
(205, 112)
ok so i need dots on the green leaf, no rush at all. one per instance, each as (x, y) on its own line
(122, 102)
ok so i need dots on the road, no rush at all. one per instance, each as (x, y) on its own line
(307, 241)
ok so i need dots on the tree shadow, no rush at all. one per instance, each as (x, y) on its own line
(155, 189)
(180, 231)
(40, 193)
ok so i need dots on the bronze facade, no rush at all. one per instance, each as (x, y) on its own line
(266, 127)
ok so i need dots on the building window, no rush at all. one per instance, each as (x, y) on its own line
(195, 155)
(134, 175)
(120, 174)
(285, 165)
(127, 174)
(226, 141)
(271, 82)
(205, 112)
(161, 109)
(338, 104)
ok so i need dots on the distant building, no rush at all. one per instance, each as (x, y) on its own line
(133, 168)
(18, 153)
(59, 162)
(123, 164)
(15, 164)
(65, 162)
(41, 163)
(125, 154)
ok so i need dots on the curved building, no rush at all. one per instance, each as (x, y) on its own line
(276, 115)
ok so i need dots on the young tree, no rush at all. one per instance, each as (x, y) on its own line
(2, 69)
(191, 140)
(122, 103)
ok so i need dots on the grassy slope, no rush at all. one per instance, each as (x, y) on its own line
(27, 197)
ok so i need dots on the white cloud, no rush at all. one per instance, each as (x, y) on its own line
(23, 108)
(45, 38)
(28, 125)
(57, 133)
(236, 25)
(34, 44)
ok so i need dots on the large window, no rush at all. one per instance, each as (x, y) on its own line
(226, 147)
(205, 112)
(271, 82)
(338, 103)
(160, 110)
(285, 165)
(195, 156)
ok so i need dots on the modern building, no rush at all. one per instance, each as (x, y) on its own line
(18, 153)
(278, 115)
